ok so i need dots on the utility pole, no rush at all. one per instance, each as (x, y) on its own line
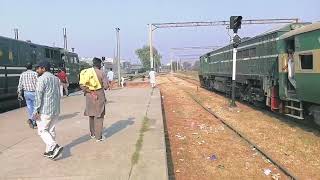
(118, 54)
(235, 24)
(171, 65)
(65, 41)
(16, 33)
(151, 47)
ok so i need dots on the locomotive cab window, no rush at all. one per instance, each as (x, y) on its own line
(306, 61)
(47, 53)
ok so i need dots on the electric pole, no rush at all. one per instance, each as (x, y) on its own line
(16, 33)
(65, 42)
(118, 54)
(151, 46)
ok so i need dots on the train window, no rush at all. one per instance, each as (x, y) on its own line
(10, 55)
(47, 53)
(306, 61)
(252, 52)
(239, 54)
(245, 53)
(51, 53)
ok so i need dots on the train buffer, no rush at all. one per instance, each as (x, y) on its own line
(117, 157)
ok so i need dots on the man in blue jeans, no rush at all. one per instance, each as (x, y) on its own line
(27, 86)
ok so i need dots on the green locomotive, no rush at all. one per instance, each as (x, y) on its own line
(262, 70)
(14, 55)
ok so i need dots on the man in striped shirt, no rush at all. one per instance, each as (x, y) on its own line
(27, 86)
(47, 108)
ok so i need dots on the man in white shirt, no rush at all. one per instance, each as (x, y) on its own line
(110, 78)
(122, 81)
(291, 68)
(152, 76)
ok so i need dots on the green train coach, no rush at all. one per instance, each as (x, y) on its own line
(15, 54)
(262, 70)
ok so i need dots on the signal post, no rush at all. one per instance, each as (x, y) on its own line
(235, 24)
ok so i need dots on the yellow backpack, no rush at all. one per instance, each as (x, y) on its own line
(88, 78)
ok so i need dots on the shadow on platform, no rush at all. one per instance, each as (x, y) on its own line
(108, 132)
(67, 116)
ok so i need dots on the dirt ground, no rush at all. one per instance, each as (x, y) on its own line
(296, 147)
(135, 84)
(202, 148)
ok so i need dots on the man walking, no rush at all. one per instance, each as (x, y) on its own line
(47, 108)
(27, 86)
(152, 76)
(64, 82)
(110, 78)
(93, 82)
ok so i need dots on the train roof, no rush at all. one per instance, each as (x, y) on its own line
(18, 40)
(34, 44)
(304, 29)
(28, 42)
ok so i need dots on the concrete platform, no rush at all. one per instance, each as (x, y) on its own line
(21, 148)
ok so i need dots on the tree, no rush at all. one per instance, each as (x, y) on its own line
(186, 65)
(84, 65)
(196, 66)
(144, 56)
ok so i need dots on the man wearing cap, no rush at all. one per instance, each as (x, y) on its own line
(47, 108)
(27, 86)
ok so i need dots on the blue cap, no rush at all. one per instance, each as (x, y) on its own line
(44, 64)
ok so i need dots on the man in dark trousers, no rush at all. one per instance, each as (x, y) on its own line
(93, 82)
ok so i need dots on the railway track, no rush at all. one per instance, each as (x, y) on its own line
(306, 124)
(265, 154)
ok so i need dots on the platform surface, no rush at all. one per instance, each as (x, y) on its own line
(21, 148)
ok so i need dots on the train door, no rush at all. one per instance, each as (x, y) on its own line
(291, 63)
(3, 63)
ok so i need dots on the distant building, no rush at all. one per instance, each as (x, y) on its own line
(135, 68)
(126, 66)
(108, 63)
(86, 59)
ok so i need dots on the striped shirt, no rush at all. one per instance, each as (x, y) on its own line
(27, 81)
(47, 100)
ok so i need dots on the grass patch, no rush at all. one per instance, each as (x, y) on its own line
(136, 154)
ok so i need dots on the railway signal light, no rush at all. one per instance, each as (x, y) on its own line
(103, 58)
(236, 41)
(235, 23)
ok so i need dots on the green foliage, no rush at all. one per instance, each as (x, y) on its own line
(144, 56)
(196, 66)
(84, 65)
(136, 154)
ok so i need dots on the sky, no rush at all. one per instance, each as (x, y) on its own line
(91, 23)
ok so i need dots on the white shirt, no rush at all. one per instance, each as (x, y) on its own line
(152, 76)
(291, 68)
(110, 75)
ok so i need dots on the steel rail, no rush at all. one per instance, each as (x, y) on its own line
(241, 135)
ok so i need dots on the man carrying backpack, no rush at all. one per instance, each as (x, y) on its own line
(93, 82)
